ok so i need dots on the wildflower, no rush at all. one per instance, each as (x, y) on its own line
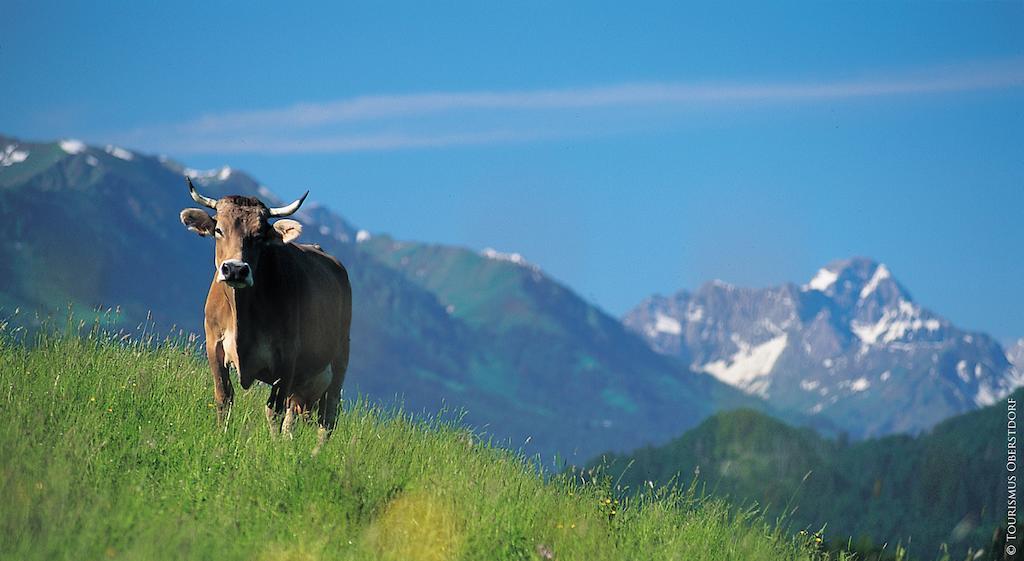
(92, 399)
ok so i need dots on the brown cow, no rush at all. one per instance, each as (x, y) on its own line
(278, 311)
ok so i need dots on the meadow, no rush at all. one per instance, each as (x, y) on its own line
(110, 449)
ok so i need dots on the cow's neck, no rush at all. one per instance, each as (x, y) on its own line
(245, 303)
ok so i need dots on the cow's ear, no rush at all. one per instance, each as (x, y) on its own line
(288, 229)
(198, 221)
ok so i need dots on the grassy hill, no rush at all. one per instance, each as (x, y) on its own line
(110, 450)
(944, 487)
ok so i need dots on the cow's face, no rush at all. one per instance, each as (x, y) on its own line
(242, 230)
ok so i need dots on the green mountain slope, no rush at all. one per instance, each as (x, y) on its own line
(557, 351)
(944, 487)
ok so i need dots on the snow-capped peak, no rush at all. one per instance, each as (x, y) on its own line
(858, 279)
(840, 346)
(895, 324)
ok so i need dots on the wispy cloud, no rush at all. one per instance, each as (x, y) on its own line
(442, 119)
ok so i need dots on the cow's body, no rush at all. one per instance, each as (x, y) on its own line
(278, 312)
(290, 330)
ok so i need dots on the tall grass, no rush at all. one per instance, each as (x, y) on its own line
(110, 449)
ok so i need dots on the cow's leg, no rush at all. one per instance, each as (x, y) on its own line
(223, 393)
(288, 425)
(330, 403)
(275, 409)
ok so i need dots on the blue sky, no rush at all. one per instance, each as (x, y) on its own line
(625, 148)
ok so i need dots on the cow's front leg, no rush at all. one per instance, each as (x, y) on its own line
(290, 416)
(223, 393)
(275, 409)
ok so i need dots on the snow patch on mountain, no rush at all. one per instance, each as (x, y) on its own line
(11, 155)
(894, 325)
(362, 236)
(962, 372)
(1015, 354)
(667, 324)
(822, 281)
(860, 384)
(881, 273)
(748, 367)
(202, 175)
(119, 153)
(986, 395)
(72, 146)
(516, 258)
(492, 253)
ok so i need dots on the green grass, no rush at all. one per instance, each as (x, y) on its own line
(110, 449)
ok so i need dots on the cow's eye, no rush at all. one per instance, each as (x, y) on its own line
(217, 232)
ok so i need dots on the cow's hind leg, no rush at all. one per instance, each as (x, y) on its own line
(275, 409)
(330, 403)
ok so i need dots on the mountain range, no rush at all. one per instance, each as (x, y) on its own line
(851, 344)
(525, 359)
(530, 363)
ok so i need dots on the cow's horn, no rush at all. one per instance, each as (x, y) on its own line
(205, 201)
(290, 209)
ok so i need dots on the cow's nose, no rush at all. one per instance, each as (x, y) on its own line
(234, 271)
